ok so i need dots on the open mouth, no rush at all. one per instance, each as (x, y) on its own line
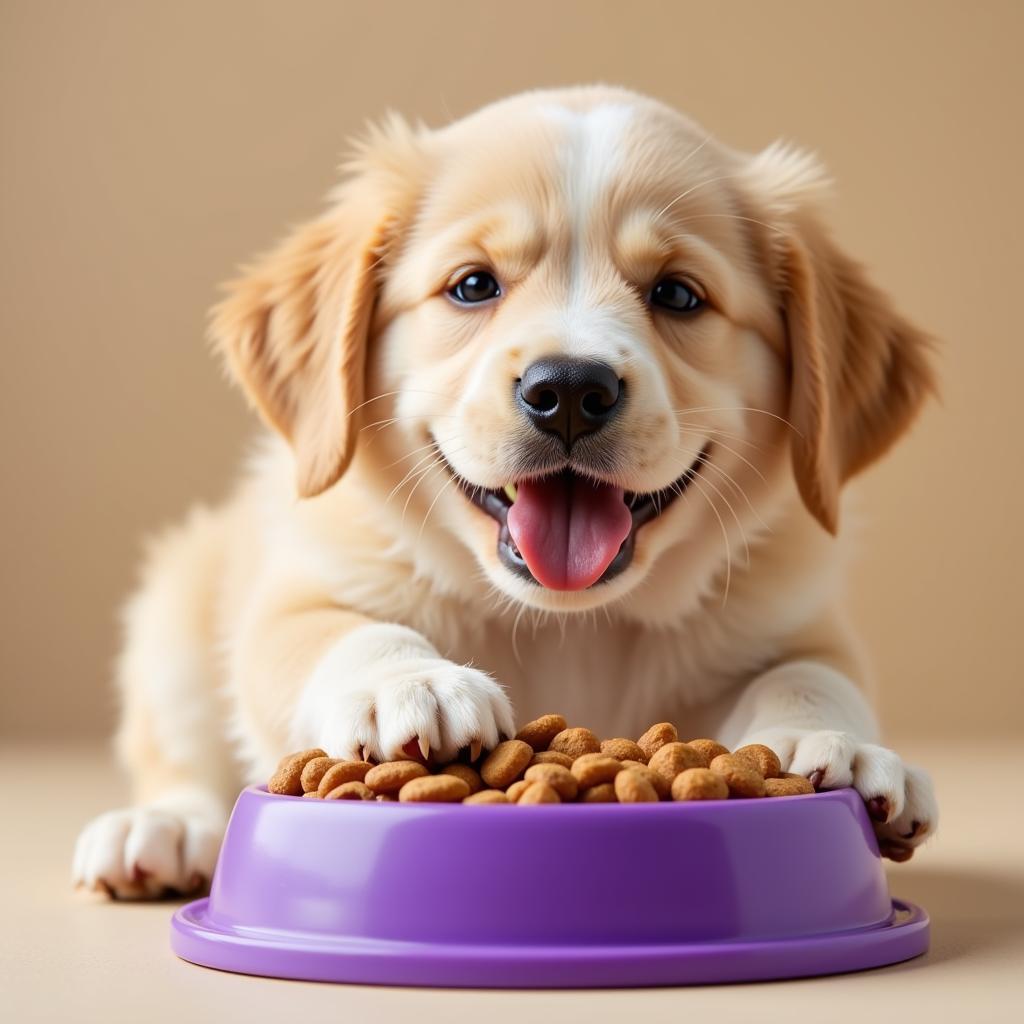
(566, 531)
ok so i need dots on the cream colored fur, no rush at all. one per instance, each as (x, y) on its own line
(372, 611)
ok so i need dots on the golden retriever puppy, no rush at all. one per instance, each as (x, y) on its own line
(563, 397)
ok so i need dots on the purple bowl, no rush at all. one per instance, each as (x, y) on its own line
(548, 896)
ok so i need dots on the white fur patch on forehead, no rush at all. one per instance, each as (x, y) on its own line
(591, 157)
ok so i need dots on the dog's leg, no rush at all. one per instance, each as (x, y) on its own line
(308, 674)
(172, 737)
(821, 726)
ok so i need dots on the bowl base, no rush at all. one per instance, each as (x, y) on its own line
(194, 937)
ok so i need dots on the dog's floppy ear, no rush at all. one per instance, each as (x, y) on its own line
(294, 327)
(859, 371)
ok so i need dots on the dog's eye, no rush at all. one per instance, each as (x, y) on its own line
(476, 286)
(672, 294)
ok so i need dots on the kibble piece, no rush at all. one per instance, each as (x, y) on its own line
(602, 794)
(517, 789)
(505, 763)
(764, 759)
(287, 780)
(559, 778)
(487, 796)
(632, 788)
(672, 758)
(623, 750)
(551, 757)
(575, 742)
(314, 770)
(444, 789)
(539, 793)
(699, 784)
(470, 776)
(661, 785)
(350, 791)
(541, 731)
(343, 771)
(742, 778)
(708, 750)
(595, 770)
(790, 785)
(391, 776)
(656, 737)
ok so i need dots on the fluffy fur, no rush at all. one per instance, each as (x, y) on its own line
(373, 611)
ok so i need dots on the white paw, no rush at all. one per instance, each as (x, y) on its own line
(900, 799)
(146, 852)
(385, 693)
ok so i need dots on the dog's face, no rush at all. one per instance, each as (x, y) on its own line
(593, 335)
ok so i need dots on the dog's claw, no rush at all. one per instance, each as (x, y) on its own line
(474, 750)
(878, 809)
(366, 753)
(424, 745)
(815, 777)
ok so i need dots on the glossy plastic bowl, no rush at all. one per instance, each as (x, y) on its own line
(548, 896)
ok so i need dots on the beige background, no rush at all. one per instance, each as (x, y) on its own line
(147, 148)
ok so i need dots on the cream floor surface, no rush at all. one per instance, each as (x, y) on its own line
(71, 957)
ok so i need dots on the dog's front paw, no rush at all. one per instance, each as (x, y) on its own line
(146, 852)
(899, 798)
(405, 699)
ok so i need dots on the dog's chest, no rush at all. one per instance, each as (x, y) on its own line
(614, 678)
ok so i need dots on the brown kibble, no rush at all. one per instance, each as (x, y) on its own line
(708, 750)
(312, 793)
(287, 780)
(699, 784)
(470, 776)
(505, 763)
(487, 796)
(517, 789)
(539, 793)
(656, 737)
(595, 770)
(314, 770)
(790, 785)
(350, 791)
(659, 782)
(764, 759)
(602, 794)
(742, 778)
(623, 750)
(632, 788)
(551, 757)
(391, 776)
(541, 731)
(672, 758)
(576, 742)
(343, 771)
(559, 778)
(444, 789)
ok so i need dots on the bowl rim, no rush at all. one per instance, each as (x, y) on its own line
(659, 807)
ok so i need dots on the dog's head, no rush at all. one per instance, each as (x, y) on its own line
(574, 332)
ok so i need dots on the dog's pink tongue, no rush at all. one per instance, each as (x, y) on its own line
(568, 529)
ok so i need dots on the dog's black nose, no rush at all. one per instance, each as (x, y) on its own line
(569, 397)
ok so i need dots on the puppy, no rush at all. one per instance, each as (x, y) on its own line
(563, 398)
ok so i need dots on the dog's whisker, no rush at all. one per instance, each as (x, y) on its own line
(717, 431)
(730, 216)
(725, 538)
(693, 188)
(405, 479)
(696, 428)
(740, 408)
(736, 488)
(437, 498)
(736, 518)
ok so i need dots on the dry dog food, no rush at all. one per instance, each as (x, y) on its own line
(551, 762)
